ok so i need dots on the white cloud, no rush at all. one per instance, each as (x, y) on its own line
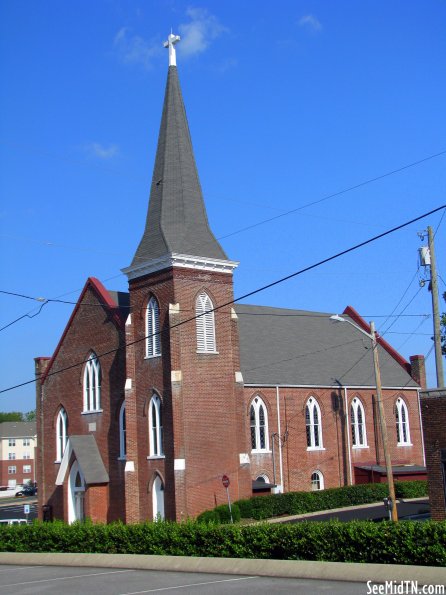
(197, 34)
(310, 22)
(133, 49)
(101, 151)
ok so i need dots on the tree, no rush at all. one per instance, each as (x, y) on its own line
(17, 416)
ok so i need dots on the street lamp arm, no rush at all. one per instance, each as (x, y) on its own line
(337, 318)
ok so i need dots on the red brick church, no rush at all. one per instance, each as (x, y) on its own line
(151, 396)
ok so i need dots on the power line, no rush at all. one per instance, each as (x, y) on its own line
(246, 295)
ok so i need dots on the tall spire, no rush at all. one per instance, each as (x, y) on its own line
(176, 222)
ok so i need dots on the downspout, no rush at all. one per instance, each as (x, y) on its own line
(280, 439)
(421, 427)
(347, 431)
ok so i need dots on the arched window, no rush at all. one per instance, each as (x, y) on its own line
(357, 419)
(402, 423)
(92, 384)
(317, 481)
(313, 424)
(153, 341)
(155, 427)
(61, 433)
(76, 496)
(259, 425)
(205, 323)
(158, 499)
(122, 433)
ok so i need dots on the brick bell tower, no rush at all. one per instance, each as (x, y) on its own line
(185, 419)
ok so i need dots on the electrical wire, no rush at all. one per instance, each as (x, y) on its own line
(249, 294)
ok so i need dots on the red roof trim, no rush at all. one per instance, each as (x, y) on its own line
(104, 297)
(354, 315)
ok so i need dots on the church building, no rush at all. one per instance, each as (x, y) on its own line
(152, 396)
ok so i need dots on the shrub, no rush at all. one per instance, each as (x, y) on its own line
(220, 514)
(407, 542)
(303, 502)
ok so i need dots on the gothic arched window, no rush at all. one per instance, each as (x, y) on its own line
(357, 415)
(92, 384)
(313, 424)
(258, 417)
(61, 433)
(122, 433)
(155, 427)
(402, 423)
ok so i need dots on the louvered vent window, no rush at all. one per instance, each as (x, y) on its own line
(205, 322)
(153, 341)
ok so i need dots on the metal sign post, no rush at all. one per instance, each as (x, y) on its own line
(26, 511)
(225, 481)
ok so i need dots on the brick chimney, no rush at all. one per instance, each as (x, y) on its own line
(418, 369)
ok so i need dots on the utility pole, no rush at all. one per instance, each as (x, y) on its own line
(382, 419)
(434, 291)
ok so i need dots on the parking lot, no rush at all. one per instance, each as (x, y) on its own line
(30, 580)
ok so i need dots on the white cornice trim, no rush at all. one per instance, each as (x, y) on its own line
(316, 386)
(186, 261)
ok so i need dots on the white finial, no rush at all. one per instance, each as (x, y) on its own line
(170, 43)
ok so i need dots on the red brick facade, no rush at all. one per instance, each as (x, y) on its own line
(433, 408)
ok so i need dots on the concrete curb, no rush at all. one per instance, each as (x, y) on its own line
(335, 571)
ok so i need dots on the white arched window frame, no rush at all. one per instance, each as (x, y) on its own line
(317, 481)
(313, 424)
(155, 427)
(205, 323)
(61, 434)
(153, 341)
(76, 497)
(402, 423)
(357, 415)
(92, 385)
(122, 433)
(258, 417)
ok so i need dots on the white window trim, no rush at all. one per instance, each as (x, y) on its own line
(92, 385)
(205, 324)
(61, 436)
(401, 405)
(155, 442)
(355, 405)
(122, 433)
(312, 404)
(153, 339)
(256, 403)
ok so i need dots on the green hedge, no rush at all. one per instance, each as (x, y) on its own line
(220, 514)
(407, 542)
(264, 507)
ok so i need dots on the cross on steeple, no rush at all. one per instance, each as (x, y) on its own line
(170, 43)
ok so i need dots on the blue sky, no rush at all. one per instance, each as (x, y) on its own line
(287, 102)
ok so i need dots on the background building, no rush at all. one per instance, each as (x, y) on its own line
(18, 440)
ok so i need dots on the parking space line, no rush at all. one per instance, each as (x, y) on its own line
(226, 580)
(19, 568)
(64, 578)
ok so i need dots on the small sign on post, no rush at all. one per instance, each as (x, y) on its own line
(225, 481)
(26, 511)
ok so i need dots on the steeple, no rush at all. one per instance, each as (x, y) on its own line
(177, 230)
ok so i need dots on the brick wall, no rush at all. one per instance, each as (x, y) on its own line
(433, 410)
(92, 328)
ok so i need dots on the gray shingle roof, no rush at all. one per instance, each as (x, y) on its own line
(176, 220)
(18, 429)
(89, 458)
(296, 347)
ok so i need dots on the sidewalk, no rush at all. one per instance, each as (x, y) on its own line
(335, 571)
